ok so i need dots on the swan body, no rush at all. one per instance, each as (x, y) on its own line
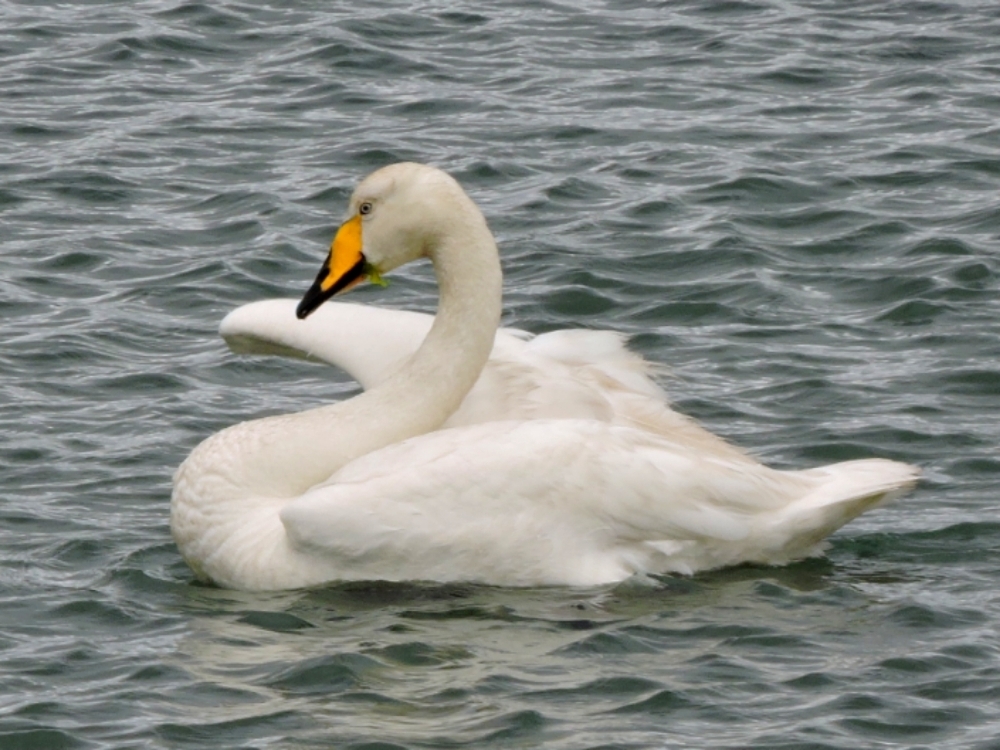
(479, 454)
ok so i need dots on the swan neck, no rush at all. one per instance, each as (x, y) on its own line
(433, 384)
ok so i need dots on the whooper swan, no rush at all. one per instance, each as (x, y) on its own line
(381, 487)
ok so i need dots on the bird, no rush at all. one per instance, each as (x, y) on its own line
(399, 484)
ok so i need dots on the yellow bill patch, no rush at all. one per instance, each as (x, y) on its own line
(345, 252)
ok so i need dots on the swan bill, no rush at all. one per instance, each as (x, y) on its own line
(344, 267)
(316, 295)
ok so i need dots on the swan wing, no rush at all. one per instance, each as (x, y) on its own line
(368, 343)
(561, 374)
(573, 502)
(602, 356)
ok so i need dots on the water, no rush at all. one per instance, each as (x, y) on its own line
(793, 205)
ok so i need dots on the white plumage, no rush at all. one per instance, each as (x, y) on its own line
(478, 454)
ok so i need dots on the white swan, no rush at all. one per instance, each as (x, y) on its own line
(374, 488)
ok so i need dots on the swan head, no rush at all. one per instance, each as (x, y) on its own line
(396, 215)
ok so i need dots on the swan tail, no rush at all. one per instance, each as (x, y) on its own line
(842, 492)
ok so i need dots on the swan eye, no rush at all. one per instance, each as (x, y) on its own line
(365, 208)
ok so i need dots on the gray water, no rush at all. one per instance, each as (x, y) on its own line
(795, 206)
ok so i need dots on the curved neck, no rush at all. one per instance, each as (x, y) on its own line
(430, 387)
(283, 456)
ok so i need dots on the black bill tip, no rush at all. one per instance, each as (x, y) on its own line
(316, 295)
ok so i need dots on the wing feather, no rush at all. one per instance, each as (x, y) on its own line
(549, 499)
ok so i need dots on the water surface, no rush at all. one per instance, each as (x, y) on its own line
(794, 206)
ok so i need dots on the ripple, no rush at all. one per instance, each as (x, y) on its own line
(278, 622)
(323, 675)
(417, 654)
(50, 739)
(608, 643)
(238, 730)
